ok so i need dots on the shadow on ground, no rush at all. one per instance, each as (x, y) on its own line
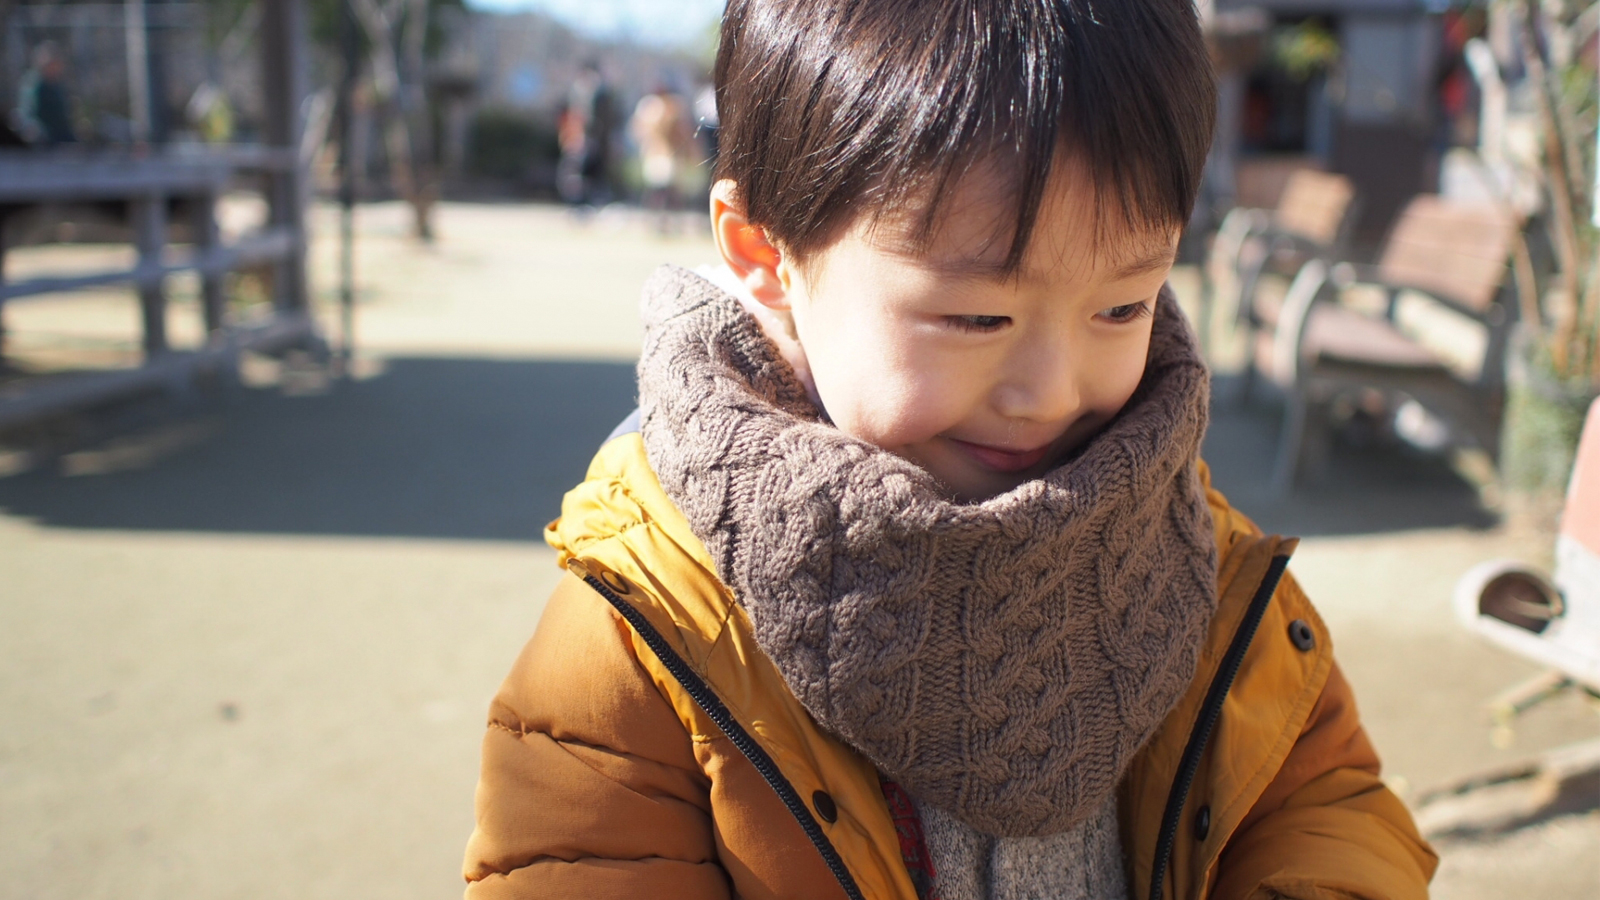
(435, 448)
(484, 449)
(1379, 487)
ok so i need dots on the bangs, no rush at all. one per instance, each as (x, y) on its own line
(836, 110)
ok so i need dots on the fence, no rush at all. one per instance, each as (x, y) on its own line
(149, 180)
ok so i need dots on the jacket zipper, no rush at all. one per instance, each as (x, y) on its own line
(1210, 712)
(708, 701)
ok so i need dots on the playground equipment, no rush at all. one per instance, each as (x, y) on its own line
(1553, 621)
(1556, 623)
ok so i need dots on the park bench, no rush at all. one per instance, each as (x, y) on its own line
(1311, 220)
(1429, 323)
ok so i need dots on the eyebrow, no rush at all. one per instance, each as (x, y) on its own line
(969, 268)
(1144, 265)
(1161, 258)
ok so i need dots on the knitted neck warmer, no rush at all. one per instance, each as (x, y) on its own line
(1003, 660)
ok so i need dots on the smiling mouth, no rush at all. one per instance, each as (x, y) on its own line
(1002, 460)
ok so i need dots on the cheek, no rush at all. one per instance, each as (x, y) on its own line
(1117, 373)
(911, 406)
(880, 386)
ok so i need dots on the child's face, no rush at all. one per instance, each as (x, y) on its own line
(984, 380)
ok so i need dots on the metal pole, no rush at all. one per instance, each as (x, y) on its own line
(350, 45)
(134, 36)
(150, 227)
(284, 83)
(156, 41)
(4, 211)
(207, 239)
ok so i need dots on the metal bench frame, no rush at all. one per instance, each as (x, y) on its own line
(1251, 243)
(1472, 408)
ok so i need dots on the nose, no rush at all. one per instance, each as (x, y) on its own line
(1041, 383)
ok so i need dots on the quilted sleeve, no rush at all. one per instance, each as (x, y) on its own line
(1326, 828)
(589, 785)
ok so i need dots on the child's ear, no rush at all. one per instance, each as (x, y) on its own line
(746, 249)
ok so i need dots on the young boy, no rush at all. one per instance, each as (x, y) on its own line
(907, 581)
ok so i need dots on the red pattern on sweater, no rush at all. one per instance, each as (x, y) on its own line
(913, 843)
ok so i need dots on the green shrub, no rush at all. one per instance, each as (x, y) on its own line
(506, 144)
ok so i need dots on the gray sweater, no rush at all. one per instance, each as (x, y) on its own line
(1084, 863)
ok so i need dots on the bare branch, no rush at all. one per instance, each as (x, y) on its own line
(1560, 185)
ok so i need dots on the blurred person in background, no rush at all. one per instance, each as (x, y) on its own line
(661, 127)
(211, 114)
(584, 128)
(43, 115)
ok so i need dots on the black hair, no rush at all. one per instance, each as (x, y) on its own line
(834, 109)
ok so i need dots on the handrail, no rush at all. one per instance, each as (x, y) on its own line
(265, 245)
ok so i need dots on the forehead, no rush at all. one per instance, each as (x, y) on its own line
(969, 229)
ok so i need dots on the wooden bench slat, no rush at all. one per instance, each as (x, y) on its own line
(1314, 204)
(1472, 281)
(1458, 249)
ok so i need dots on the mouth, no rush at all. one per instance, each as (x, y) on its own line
(1001, 459)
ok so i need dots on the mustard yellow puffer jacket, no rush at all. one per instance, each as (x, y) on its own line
(644, 747)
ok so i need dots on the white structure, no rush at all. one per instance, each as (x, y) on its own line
(1554, 622)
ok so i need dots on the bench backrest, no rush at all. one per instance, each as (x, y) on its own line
(1315, 205)
(1457, 250)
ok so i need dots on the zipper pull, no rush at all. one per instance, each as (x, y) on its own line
(577, 567)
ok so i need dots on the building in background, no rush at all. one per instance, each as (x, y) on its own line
(1374, 89)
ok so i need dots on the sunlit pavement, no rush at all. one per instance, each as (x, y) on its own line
(246, 652)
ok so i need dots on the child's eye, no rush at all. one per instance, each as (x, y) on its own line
(1126, 313)
(979, 323)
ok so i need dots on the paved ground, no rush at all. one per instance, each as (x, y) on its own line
(245, 652)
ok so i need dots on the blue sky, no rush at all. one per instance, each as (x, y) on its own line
(651, 21)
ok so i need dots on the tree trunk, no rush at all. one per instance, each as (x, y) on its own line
(385, 27)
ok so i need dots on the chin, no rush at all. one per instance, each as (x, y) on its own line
(963, 481)
(977, 487)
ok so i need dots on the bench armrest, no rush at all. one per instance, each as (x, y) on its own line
(1237, 228)
(1313, 284)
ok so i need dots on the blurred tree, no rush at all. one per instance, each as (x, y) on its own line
(1560, 53)
(396, 39)
(396, 34)
(1557, 374)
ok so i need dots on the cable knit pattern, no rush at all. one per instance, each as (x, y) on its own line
(1001, 659)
